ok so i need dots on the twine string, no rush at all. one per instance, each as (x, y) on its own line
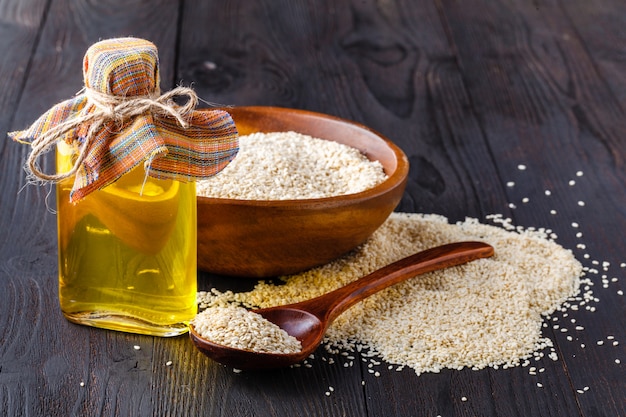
(107, 108)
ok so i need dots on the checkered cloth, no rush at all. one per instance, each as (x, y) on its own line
(128, 68)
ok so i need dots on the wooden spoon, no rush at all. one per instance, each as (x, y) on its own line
(308, 320)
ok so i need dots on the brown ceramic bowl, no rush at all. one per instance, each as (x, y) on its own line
(254, 238)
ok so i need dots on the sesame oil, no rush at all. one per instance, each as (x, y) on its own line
(127, 253)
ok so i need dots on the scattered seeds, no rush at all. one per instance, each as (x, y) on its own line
(368, 328)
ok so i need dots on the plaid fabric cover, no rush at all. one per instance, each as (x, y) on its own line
(130, 67)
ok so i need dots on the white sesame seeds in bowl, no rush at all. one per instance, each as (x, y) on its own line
(305, 189)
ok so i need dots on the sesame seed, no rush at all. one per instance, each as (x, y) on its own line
(539, 384)
(579, 173)
(617, 361)
(82, 384)
(463, 399)
(572, 183)
(137, 347)
(168, 363)
(510, 184)
(239, 328)
(521, 167)
(581, 203)
(547, 192)
(303, 167)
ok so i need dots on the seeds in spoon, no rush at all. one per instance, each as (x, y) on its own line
(239, 328)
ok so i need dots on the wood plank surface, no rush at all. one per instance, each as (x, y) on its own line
(470, 90)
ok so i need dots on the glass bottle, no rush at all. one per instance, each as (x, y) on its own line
(127, 253)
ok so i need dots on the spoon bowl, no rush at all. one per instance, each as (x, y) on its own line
(308, 320)
(304, 326)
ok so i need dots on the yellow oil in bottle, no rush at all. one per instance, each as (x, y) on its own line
(127, 253)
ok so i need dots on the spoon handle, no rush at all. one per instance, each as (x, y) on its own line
(331, 305)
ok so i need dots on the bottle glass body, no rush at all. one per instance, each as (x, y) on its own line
(127, 253)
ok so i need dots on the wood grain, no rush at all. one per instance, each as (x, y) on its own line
(469, 90)
(553, 111)
(49, 356)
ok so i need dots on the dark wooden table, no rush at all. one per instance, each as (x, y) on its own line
(469, 89)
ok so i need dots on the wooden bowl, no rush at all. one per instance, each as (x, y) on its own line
(254, 238)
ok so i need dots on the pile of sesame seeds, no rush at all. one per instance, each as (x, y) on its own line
(292, 166)
(485, 313)
(239, 328)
